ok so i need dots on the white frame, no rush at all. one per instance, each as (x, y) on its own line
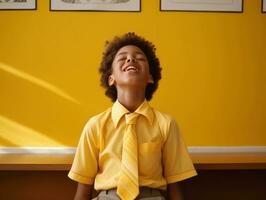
(83, 5)
(263, 6)
(202, 5)
(28, 5)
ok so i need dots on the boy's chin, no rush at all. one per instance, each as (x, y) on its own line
(133, 84)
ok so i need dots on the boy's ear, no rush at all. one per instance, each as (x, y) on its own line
(150, 80)
(111, 80)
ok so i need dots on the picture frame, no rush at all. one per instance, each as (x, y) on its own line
(202, 5)
(96, 5)
(263, 6)
(18, 5)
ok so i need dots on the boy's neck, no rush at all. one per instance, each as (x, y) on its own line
(131, 100)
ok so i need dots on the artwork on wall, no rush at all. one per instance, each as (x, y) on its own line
(95, 5)
(263, 6)
(17, 4)
(202, 5)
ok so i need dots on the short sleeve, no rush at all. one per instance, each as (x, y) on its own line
(85, 164)
(176, 160)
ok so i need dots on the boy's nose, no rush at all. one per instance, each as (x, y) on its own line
(131, 59)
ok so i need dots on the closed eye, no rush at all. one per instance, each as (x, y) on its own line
(121, 58)
(141, 58)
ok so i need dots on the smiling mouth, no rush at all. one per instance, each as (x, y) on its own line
(130, 68)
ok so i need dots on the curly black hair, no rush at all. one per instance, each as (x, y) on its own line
(112, 48)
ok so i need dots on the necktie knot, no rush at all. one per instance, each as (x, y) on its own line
(131, 118)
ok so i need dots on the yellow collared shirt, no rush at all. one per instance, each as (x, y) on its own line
(163, 156)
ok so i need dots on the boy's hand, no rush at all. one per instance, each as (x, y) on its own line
(174, 192)
(83, 192)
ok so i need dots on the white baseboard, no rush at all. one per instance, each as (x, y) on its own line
(191, 149)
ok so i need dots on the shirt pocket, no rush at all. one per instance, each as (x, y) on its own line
(150, 158)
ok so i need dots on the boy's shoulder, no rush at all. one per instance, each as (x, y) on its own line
(166, 123)
(99, 118)
(162, 116)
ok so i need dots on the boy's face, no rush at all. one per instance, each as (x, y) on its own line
(130, 67)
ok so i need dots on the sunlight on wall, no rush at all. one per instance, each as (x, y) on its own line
(20, 135)
(37, 81)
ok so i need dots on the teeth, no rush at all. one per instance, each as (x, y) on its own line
(130, 68)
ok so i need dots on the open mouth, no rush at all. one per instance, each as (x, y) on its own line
(130, 68)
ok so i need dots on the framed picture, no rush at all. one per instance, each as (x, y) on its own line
(18, 5)
(202, 5)
(263, 6)
(96, 5)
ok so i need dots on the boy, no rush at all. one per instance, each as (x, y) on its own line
(130, 151)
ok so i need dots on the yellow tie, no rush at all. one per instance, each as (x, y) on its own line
(128, 183)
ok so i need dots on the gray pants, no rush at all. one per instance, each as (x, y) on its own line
(145, 194)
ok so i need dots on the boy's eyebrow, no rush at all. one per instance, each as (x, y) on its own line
(125, 52)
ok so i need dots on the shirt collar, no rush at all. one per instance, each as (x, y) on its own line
(118, 111)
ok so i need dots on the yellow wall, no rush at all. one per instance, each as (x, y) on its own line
(214, 76)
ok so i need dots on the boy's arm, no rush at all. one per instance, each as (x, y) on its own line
(84, 192)
(174, 192)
